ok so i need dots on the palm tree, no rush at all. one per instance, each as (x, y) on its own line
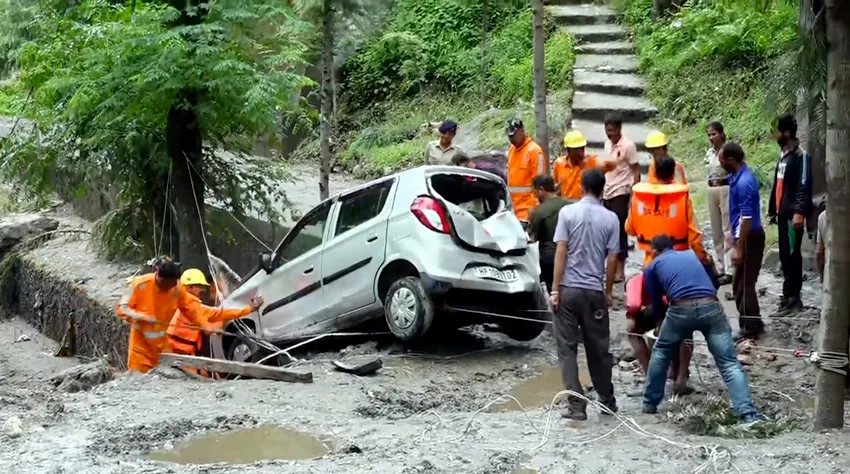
(829, 404)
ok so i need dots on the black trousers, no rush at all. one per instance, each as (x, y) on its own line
(547, 273)
(620, 205)
(791, 258)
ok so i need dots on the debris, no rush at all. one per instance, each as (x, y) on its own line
(244, 369)
(222, 395)
(173, 373)
(13, 427)
(745, 346)
(745, 359)
(22, 338)
(83, 377)
(366, 368)
(68, 346)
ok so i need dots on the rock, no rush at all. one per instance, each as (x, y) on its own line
(15, 228)
(745, 359)
(13, 427)
(22, 338)
(745, 346)
(83, 377)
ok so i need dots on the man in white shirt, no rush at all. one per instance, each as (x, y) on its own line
(718, 202)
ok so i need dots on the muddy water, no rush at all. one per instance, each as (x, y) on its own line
(245, 447)
(539, 391)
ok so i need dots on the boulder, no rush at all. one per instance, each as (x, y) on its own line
(83, 377)
(15, 228)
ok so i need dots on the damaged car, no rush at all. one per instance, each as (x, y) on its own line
(435, 244)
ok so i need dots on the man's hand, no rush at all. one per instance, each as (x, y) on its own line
(554, 297)
(797, 221)
(256, 302)
(737, 257)
(609, 299)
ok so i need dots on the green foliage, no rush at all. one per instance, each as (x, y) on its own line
(717, 60)
(434, 44)
(106, 74)
(15, 18)
(715, 418)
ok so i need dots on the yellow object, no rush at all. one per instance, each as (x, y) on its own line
(193, 276)
(656, 140)
(574, 139)
(660, 209)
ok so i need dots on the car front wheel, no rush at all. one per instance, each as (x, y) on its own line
(408, 310)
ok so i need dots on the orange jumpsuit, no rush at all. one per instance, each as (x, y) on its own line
(149, 310)
(568, 176)
(185, 331)
(524, 163)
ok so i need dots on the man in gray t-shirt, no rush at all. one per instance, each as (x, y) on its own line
(587, 237)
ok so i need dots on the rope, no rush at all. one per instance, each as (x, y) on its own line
(835, 362)
(244, 227)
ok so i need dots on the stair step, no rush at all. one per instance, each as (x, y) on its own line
(597, 33)
(608, 83)
(594, 132)
(616, 63)
(608, 47)
(581, 14)
(595, 106)
(643, 158)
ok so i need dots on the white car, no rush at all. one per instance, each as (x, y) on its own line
(434, 242)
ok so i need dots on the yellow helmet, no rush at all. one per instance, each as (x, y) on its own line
(656, 139)
(574, 139)
(193, 276)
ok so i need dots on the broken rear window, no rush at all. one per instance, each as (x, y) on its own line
(481, 197)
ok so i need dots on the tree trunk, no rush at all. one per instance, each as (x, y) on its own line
(326, 112)
(542, 127)
(829, 404)
(484, 26)
(813, 29)
(665, 7)
(184, 142)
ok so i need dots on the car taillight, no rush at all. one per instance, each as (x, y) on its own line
(430, 214)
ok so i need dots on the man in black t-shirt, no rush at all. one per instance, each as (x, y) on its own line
(542, 223)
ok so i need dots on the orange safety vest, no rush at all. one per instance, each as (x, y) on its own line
(678, 176)
(568, 176)
(524, 163)
(660, 209)
(183, 336)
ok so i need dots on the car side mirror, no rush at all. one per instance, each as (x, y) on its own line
(266, 262)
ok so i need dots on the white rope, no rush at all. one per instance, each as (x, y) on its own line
(241, 224)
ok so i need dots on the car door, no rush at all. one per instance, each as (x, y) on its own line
(356, 247)
(293, 291)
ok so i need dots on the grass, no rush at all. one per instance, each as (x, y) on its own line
(715, 418)
(12, 99)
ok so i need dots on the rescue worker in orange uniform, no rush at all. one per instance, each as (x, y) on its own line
(567, 169)
(187, 328)
(662, 208)
(657, 144)
(148, 306)
(525, 161)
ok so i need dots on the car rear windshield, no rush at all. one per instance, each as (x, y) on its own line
(480, 197)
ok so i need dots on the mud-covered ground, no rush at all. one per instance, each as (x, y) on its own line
(423, 413)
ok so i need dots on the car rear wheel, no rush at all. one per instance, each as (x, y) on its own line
(408, 310)
(521, 330)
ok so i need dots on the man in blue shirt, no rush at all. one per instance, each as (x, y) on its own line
(692, 306)
(747, 238)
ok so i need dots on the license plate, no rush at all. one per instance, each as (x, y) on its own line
(506, 276)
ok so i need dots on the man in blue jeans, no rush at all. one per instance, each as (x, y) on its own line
(692, 306)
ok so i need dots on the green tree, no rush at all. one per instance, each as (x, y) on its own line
(140, 97)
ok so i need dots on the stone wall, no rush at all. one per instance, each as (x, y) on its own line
(48, 302)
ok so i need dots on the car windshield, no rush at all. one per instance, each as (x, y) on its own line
(481, 197)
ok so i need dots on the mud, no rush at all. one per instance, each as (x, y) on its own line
(421, 413)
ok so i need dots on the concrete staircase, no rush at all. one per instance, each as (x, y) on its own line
(605, 75)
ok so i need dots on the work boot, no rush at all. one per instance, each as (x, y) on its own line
(649, 409)
(724, 279)
(574, 414)
(791, 306)
(610, 406)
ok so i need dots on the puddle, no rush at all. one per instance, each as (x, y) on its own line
(526, 470)
(247, 446)
(538, 391)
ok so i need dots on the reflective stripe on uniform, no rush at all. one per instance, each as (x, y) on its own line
(133, 314)
(520, 189)
(154, 334)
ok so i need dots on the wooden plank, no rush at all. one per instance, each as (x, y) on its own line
(365, 368)
(244, 369)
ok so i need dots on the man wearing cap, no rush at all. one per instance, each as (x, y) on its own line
(567, 169)
(441, 152)
(525, 161)
(656, 145)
